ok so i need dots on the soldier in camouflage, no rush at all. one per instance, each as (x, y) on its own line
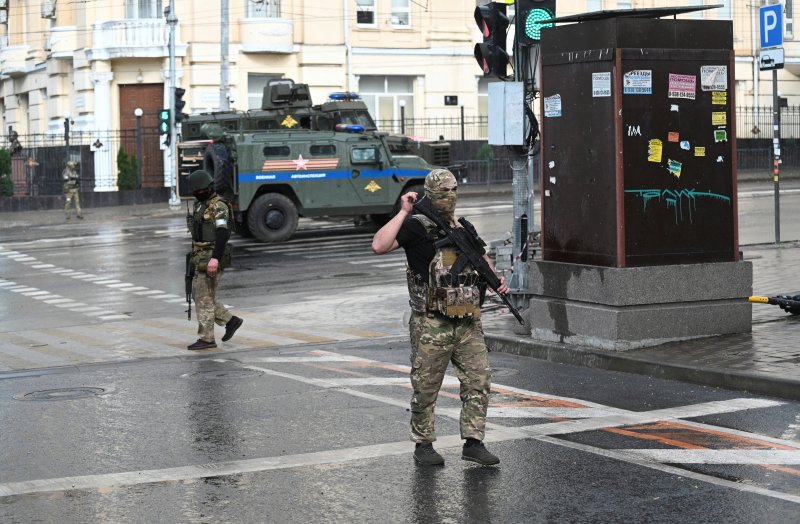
(209, 226)
(445, 322)
(71, 188)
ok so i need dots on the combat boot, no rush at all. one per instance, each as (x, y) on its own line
(475, 451)
(426, 455)
(201, 344)
(230, 328)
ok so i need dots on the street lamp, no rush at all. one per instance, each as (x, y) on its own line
(138, 113)
(402, 117)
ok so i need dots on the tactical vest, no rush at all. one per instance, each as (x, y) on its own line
(453, 296)
(203, 228)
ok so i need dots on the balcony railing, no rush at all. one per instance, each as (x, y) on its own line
(12, 60)
(140, 37)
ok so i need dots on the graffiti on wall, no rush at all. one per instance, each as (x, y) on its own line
(682, 201)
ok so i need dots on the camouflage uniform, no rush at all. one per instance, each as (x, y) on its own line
(213, 213)
(437, 339)
(71, 178)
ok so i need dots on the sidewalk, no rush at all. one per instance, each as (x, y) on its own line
(766, 361)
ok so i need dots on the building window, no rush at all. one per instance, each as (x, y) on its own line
(594, 5)
(365, 13)
(143, 9)
(384, 95)
(262, 8)
(401, 13)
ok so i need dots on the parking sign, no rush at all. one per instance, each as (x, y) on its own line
(771, 23)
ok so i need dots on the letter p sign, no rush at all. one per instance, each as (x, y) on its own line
(771, 22)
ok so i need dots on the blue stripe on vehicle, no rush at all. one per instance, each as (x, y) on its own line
(297, 176)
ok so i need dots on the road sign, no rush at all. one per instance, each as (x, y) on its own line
(771, 24)
(769, 59)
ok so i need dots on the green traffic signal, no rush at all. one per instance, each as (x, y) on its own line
(533, 25)
(163, 121)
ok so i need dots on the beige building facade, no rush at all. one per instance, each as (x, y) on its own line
(94, 62)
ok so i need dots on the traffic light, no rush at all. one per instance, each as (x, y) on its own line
(163, 121)
(530, 14)
(491, 53)
(179, 105)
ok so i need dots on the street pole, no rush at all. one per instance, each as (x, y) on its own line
(224, 100)
(66, 138)
(776, 147)
(138, 112)
(402, 117)
(172, 21)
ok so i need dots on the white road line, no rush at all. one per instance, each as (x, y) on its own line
(550, 412)
(717, 456)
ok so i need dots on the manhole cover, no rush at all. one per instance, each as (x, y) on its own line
(61, 394)
(223, 374)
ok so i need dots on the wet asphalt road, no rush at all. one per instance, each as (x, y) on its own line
(303, 417)
(317, 434)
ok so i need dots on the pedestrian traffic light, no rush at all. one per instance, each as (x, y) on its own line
(179, 105)
(163, 121)
(491, 53)
(529, 17)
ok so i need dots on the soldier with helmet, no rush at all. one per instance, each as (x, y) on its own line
(72, 188)
(445, 323)
(210, 229)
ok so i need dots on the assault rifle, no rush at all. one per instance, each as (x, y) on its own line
(786, 303)
(189, 272)
(187, 281)
(469, 245)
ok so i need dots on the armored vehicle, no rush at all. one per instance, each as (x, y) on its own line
(273, 177)
(286, 105)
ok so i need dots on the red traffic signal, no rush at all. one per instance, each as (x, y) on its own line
(493, 24)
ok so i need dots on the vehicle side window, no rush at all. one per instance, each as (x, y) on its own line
(365, 154)
(323, 150)
(276, 151)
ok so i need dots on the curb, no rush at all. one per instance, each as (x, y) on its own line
(750, 382)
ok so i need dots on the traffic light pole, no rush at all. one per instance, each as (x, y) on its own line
(174, 201)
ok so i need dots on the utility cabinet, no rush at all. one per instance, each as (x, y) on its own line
(638, 142)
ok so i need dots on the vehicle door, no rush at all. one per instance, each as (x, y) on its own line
(371, 177)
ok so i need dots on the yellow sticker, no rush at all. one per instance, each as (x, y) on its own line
(372, 187)
(654, 150)
(719, 98)
(289, 121)
(719, 118)
(699, 151)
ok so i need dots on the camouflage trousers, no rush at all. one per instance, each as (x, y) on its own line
(436, 341)
(204, 290)
(72, 195)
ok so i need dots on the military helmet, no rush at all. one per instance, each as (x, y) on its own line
(72, 164)
(199, 180)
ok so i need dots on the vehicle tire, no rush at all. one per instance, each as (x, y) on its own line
(272, 218)
(218, 163)
(419, 189)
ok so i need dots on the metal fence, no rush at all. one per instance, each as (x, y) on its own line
(751, 123)
(37, 165)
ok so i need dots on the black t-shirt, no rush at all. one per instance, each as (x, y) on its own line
(419, 247)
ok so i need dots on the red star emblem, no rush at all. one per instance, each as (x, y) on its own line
(300, 163)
